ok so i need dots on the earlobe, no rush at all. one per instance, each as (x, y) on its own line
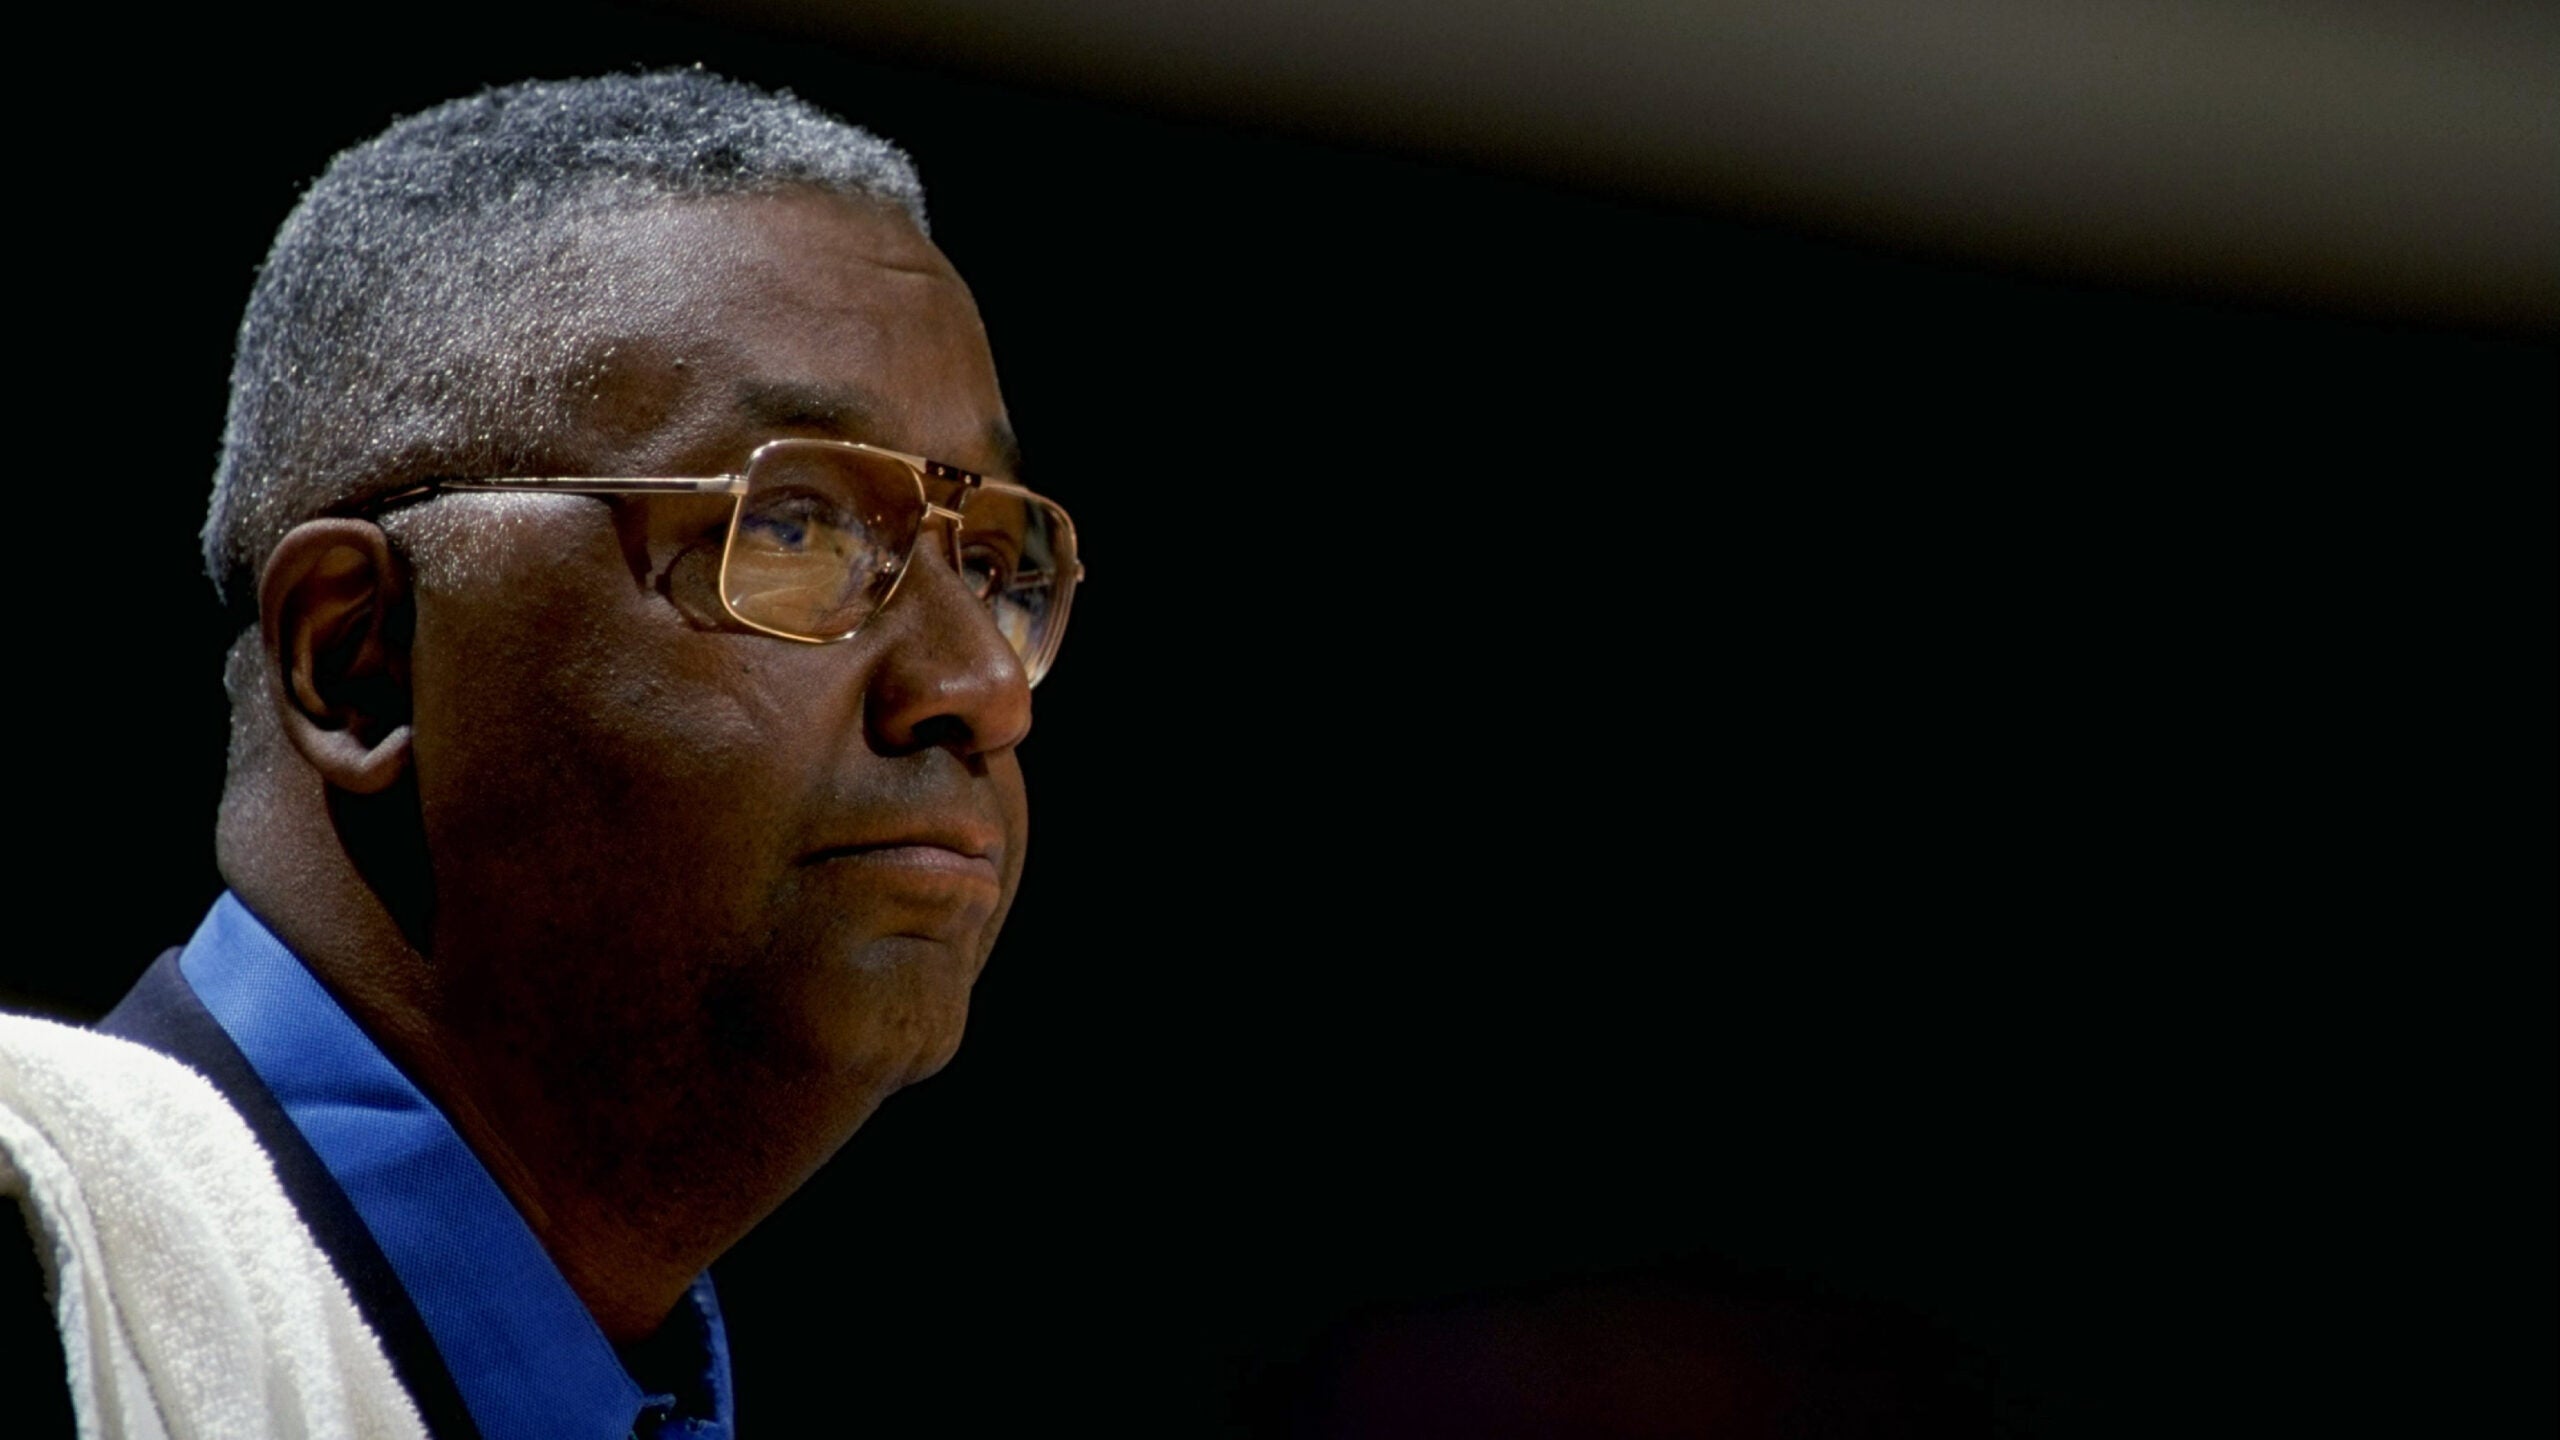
(372, 771)
(332, 613)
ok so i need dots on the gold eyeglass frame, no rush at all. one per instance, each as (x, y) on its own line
(735, 487)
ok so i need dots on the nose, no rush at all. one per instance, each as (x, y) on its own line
(946, 675)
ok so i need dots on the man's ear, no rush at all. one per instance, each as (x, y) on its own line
(332, 615)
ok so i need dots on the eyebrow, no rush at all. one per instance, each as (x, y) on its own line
(784, 405)
(1004, 445)
(849, 414)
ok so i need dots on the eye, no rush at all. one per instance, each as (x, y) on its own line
(988, 570)
(790, 521)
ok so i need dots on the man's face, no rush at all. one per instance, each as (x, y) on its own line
(673, 855)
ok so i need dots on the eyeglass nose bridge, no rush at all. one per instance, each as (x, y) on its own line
(950, 530)
(962, 484)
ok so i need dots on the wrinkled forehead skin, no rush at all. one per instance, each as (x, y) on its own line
(700, 324)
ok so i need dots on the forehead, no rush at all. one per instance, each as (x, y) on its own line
(715, 324)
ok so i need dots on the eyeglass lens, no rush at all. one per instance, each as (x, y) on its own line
(824, 531)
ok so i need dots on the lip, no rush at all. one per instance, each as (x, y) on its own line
(961, 851)
(922, 858)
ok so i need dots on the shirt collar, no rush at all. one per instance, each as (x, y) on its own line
(522, 1348)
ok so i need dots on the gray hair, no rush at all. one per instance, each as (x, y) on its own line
(420, 307)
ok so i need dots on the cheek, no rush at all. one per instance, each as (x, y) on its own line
(630, 777)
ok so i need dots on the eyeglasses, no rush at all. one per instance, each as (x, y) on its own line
(822, 531)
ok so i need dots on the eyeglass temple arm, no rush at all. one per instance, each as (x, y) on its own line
(576, 485)
(706, 485)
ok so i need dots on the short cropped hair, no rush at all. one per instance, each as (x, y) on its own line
(418, 313)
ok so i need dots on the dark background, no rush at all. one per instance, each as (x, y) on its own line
(1641, 779)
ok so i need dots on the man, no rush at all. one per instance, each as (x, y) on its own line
(638, 626)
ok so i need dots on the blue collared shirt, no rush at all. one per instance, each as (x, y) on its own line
(529, 1360)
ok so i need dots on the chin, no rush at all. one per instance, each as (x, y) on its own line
(930, 1061)
(902, 1017)
(932, 1034)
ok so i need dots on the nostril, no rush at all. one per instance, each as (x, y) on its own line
(944, 730)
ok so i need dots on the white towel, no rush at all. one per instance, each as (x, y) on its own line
(193, 1303)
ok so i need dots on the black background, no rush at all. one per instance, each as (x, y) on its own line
(1606, 750)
